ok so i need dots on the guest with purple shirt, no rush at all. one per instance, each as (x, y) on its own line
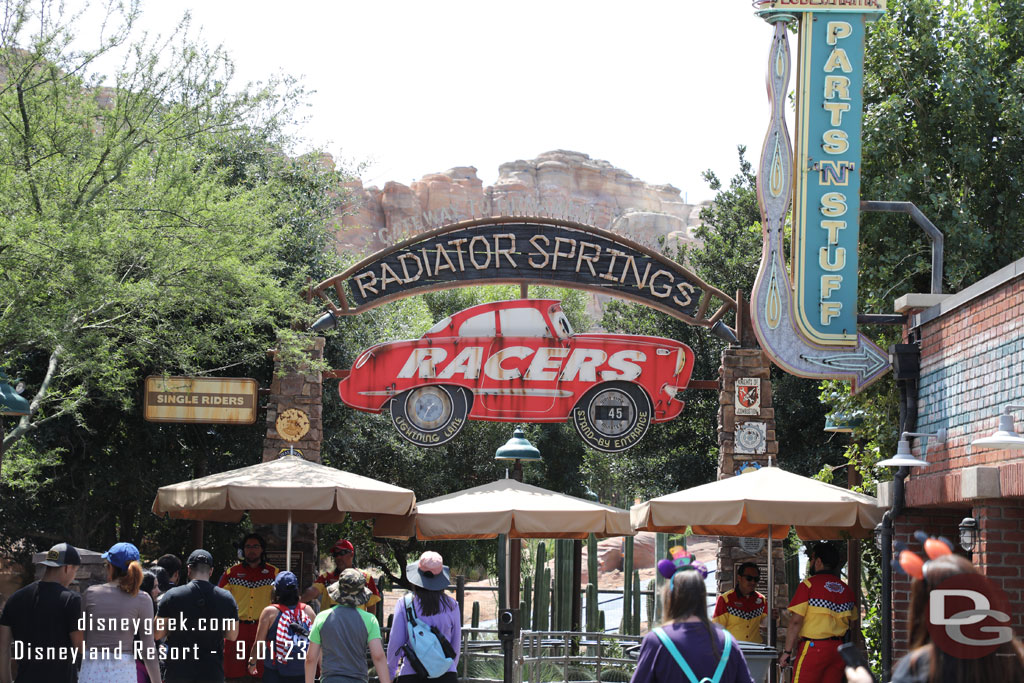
(687, 633)
(430, 605)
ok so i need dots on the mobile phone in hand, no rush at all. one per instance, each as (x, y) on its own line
(854, 657)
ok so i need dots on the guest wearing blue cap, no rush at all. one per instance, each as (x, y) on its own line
(108, 608)
(284, 625)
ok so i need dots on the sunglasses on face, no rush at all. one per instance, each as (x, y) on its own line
(342, 553)
(748, 577)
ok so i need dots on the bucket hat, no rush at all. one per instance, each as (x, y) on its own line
(350, 589)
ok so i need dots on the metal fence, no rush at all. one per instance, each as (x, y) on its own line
(546, 656)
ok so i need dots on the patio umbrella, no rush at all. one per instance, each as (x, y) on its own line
(764, 503)
(290, 489)
(507, 507)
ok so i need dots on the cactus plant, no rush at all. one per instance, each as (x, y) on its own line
(527, 608)
(592, 607)
(541, 598)
(652, 600)
(562, 591)
(539, 591)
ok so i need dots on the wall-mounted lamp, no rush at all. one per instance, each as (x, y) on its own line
(968, 533)
(327, 321)
(904, 458)
(1005, 437)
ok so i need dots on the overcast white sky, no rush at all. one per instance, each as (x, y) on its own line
(662, 89)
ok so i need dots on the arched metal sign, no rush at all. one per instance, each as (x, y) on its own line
(521, 250)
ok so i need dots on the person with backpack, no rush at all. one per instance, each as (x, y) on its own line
(284, 625)
(426, 632)
(687, 647)
(341, 635)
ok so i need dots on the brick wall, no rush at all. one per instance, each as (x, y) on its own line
(1000, 554)
(972, 364)
(934, 523)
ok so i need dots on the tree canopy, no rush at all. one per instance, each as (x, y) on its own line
(153, 223)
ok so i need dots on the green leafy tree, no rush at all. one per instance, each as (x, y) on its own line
(155, 225)
(130, 242)
(943, 128)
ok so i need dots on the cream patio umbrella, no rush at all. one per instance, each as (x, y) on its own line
(764, 503)
(505, 506)
(290, 489)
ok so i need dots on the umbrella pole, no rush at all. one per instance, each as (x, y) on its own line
(771, 590)
(288, 545)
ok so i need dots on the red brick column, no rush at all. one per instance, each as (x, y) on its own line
(1000, 552)
(934, 522)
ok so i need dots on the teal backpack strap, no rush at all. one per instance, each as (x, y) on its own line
(671, 647)
(672, 650)
(725, 656)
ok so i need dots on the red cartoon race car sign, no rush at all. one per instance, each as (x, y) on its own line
(520, 361)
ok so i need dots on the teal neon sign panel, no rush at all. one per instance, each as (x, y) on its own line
(827, 181)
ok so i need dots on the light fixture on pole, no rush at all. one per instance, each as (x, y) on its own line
(902, 462)
(904, 457)
(844, 423)
(11, 402)
(968, 533)
(517, 448)
(1005, 437)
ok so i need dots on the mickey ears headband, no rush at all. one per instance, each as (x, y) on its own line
(681, 560)
(913, 565)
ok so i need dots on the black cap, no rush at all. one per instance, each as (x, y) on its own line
(200, 556)
(60, 555)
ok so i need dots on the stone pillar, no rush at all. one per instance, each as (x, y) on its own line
(302, 390)
(746, 438)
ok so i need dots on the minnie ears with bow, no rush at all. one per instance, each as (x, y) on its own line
(681, 560)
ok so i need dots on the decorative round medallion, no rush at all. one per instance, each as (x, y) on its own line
(292, 424)
(750, 437)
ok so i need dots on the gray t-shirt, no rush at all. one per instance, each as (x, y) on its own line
(343, 634)
(112, 617)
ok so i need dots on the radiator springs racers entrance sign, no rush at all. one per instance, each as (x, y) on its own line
(521, 361)
(515, 361)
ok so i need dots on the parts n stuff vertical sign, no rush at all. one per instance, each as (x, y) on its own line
(830, 82)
